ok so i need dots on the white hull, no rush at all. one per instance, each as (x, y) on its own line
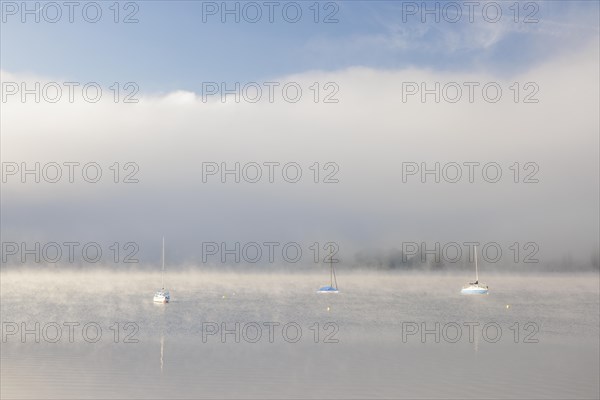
(474, 290)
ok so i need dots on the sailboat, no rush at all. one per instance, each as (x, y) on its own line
(331, 288)
(475, 287)
(162, 296)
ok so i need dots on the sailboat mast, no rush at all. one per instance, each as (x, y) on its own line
(331, 270)
(333, 277)
(476, 272)
(163, 262)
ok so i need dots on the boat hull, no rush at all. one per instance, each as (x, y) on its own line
(328, 289)
(160, 300)
(474, 290)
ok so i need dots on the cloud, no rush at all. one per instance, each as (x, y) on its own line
(369, 133)
(399, 37)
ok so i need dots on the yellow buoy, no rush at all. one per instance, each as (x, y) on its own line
(328, 308)
(508, 306)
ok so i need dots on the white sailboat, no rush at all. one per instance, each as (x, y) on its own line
(475, 287)
(331, 288)
(162, 296)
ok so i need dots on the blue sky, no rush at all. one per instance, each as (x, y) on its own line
(171, 48)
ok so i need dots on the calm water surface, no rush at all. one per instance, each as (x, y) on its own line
(532, 337)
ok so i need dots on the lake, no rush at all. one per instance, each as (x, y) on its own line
(237, 334)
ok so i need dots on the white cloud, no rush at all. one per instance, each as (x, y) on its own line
(369, 133)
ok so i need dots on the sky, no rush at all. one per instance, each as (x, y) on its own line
(369, 130)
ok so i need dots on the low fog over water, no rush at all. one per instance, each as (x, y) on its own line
(373, 329)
